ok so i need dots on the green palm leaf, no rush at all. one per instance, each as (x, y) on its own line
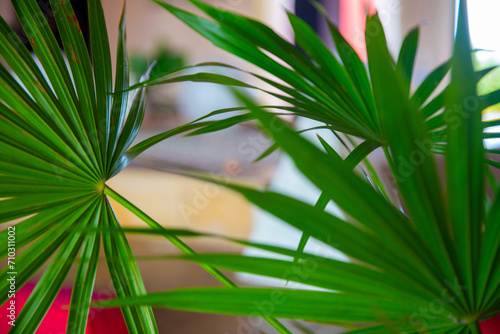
(440, 248)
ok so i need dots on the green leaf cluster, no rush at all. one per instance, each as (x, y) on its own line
(66, 128)
(424, 262)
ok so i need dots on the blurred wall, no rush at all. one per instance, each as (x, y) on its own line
(148, 25)
(436, 20)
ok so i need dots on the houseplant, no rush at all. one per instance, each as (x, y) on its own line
(65, 130)
(430, 266)
(59, 144)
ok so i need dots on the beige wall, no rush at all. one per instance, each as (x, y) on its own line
(6, 10)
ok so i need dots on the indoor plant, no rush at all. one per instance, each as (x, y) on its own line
(65, 130)
(429, 266)
(59, 144)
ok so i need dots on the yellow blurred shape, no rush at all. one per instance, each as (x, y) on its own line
(179, 202)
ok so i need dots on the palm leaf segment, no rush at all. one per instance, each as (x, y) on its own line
(65, 129)
(63, 132)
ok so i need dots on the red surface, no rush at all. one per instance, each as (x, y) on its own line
(101, 321)
(491, 326)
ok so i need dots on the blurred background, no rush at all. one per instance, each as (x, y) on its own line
(179, 202)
